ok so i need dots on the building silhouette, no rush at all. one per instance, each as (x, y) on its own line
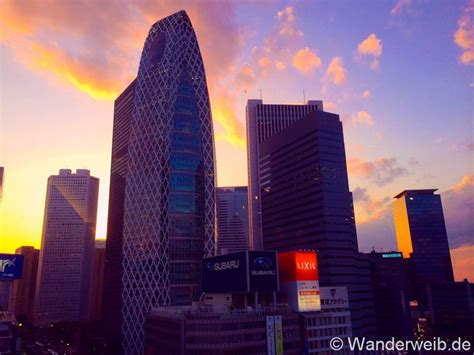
(168, 224)
(97, 284)
(113, 269)
(67, 248)
(232, 219)
(24, 289)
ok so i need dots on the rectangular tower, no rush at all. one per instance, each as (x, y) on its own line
(113, 269)
(421, 234)
(263, 121)
(24, 289)
(232, 219)
(304, 202)
(67, 248)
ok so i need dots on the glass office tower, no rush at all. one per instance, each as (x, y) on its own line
(169, 196)
(421, 234)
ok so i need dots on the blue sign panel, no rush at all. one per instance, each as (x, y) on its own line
(263, 271)
(225, 273)
(11, 266)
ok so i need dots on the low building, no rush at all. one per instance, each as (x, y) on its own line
(200, 330)
(9, 334)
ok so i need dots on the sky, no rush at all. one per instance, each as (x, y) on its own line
(399, 74)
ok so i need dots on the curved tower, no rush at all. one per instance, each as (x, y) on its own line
(169, 195)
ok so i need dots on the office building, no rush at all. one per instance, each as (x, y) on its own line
(10, 341)
(63, 286)
(232, 219)
(421, 234)
(169, 206)
(113, 269)
(334, 320)
(193, 330)
(97, 287)
(304, 198)
(6, 295)
(24, 289)
(391, 295)
(264, 121)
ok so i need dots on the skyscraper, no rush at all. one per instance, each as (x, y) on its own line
(303, 196)
(421, 234)
(67, 248)
(169, 196)
(113, 269)
(232, 219)
(1, 183)
(24, 289)
(263, 121)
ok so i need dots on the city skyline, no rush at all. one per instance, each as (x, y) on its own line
(305, 45)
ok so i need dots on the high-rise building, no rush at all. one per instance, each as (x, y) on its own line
(97, 287)
(67, 247)
(24, 289)
(391, 296)
(298, 175)
(169, 195)
(421, 234)
(232, 219)
(264, 121)
(113, 269)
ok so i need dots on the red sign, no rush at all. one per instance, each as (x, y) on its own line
(298, 266)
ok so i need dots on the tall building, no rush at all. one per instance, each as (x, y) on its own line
(391, 296)
(298, 175)
(232, 219)
(97, 285)
(421, 234)
(67, 248)
(263, 121)
(169, 195)
(113, 269)
(24, 289)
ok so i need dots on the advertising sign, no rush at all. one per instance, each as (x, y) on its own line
(300, 280)
(11, 266)
(225, 273)
(278, 335)
(263, 271)
(335, 297)
(271, 335)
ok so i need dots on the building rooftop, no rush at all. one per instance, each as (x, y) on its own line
(416, 192)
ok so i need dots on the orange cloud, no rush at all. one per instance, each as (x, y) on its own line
(464, 36)
(96, 47)
(371, 46)
(463, 262)
(379, 135)
(306, 61)
(367, 208)
(366, 94)
(245, 78)
(286, 19)
(336, 71)
(363, 117)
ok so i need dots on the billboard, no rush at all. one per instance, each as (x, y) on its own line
(300, 280)
(263, 271)
(225, 273)
(247, 271)
(335, 297)
(11, 266)
(274, 335)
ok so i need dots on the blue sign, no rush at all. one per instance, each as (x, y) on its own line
(11, 266)
(392, 255)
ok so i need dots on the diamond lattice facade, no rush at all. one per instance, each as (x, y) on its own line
(169, 195)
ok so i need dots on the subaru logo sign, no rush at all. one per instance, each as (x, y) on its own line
(263, 263)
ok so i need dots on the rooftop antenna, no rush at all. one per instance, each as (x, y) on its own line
(304, 97)
(261, 94)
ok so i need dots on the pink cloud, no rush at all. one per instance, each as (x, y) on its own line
(464, 36)
(366, 94)
(463, 262)
(371, 46)
(400, 6)
(336, 71)
(363, 117)
(306, 61)
(381, 171)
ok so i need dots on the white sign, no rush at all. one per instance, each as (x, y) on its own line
(271, 335)
(308, 294)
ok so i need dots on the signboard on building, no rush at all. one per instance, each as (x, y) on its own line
(274, 335)
(11, 266)
(247, 271)
(300, 280)
(334, 297)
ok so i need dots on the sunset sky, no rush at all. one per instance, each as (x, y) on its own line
(399, 73)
